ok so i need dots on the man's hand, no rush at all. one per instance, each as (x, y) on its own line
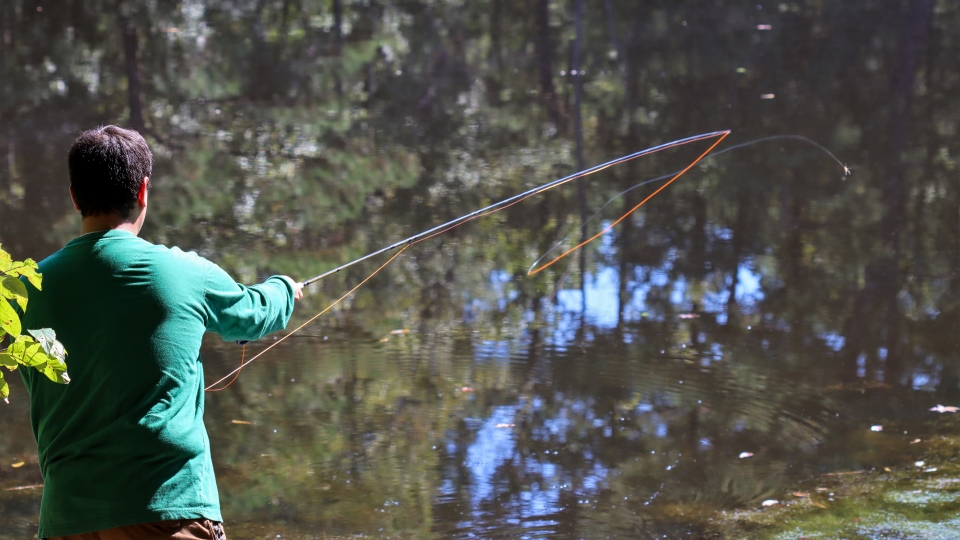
(297, 287)
(297, 291)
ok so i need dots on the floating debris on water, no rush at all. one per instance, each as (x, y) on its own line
(941, 409)
(243, 422)
(17, 465)
(744, 455)
(764, 27)
(767, 96)
(769, 502)
(18, 488)
(876, 428)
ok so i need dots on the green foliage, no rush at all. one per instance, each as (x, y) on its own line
(38, 348)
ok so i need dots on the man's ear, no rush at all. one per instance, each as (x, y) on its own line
(74, 199)
(142, 194)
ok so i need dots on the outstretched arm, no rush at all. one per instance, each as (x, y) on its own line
(237, 312)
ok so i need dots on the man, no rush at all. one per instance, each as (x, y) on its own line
(123, 449)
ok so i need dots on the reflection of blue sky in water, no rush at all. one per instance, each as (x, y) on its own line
(494, 448)
(603, 304)
(491, 448)
(748, 286)
(603, 287)
(497, 350)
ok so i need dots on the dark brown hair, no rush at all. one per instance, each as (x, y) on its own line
(107, 167)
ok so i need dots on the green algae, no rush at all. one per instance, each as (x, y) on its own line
(907, 502)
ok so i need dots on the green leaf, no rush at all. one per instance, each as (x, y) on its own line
(26, 268)
(13, 288)
(19, 346)
(57, 364)
(4, 388)
(28, 352)
(34, 356)
(54, 375)
(30, 271)
(47, 339)
(34, 278)
(9, 320)
(5, 260)
(8, 360)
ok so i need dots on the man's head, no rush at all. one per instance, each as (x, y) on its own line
(108, 168)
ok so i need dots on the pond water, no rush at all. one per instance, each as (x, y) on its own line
(765, 320)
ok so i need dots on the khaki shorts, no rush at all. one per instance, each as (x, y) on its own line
(184, 529)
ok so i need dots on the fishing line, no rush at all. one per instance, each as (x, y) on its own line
(496, 207)
(846, 171)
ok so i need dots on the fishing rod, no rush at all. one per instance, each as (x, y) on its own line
(439, 229)
(516, 198)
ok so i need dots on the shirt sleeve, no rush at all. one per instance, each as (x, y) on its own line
(237, 312)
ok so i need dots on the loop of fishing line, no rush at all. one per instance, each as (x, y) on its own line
(243, 354)
(496, 207)
(846, 171)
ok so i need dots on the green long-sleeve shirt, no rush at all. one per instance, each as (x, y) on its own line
(124, 442)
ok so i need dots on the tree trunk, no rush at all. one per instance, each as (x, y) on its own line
(130, 46)
(904, 79)
(915, 38)
(338, 43)
(739, 231)
(496, 40)
(633, 142)
(577, 75)
(614, 35)
(545, 63)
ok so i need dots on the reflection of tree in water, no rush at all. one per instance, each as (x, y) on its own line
(664, 450)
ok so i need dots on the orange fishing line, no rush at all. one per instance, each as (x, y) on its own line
(243, 353)
(632, 210)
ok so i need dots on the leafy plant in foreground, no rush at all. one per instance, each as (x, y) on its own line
(37, 348)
